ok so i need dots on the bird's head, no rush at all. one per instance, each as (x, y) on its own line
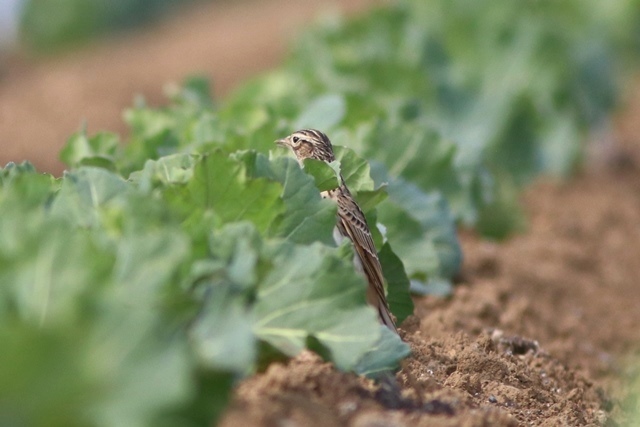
(309, 144)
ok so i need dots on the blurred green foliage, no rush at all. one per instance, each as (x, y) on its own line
(470, 98)
(139, 301)
(630, 404)
(137, 288)
(51, 25)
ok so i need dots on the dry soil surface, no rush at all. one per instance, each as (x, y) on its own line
(540, 330)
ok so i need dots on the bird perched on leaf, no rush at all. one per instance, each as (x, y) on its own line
(313, 144)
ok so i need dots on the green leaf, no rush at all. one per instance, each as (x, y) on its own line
(22, 187)
(221, 186)
(323, 112)
(99, 150)
(196, 91)
(312, 292)
(167, 170)
(307, 217)
(326, 175)
(239, 247)
(355, 170)
(432, 213)
(434, 286)
(144, 262)
(409, 240)
(222, 334)
(152, 372)
(421, 229)
(503, 215)
(428, 160)
(47, 272)
(12, 170)
(42, 371)
(95, 305)
(152, 136)
(369, 199)
(398, 296)
(84, 192)
(383, 358)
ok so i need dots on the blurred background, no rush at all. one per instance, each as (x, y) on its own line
(511, 89)
(65, 64)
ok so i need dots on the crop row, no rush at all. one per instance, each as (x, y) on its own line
(137, 288)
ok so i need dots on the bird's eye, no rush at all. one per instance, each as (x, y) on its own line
(295, 139)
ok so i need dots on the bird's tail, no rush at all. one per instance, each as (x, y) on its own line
(386, 317)
(378, 301)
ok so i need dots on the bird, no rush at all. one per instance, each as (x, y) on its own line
(351, 222)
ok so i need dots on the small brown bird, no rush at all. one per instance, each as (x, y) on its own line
(313, 144)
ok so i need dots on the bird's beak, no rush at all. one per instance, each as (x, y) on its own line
(281, 142)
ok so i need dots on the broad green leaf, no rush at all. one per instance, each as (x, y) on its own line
(41, 372)
(22, 187)
(355, 170)
(147, 261)
(421, 229)
(153, 135)
(149, 125)
(47, 268)
(631, 403)
(312, 292)
(84, 192)
(434, 286)
(143, 370)
(409, 240)
(323, 112)
(383, 357)
(12, 170)
(503, 215)
(369, 199)
(222, 334)
(307, 217)
(172, 169)
(238, 246)
(398, 296)
(98, 150)
(221, 186)
(561, 148)
(427, 160)
(326, 175)
(435, 219)
(60, 281)
(195, 90)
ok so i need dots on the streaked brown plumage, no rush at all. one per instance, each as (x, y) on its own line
(310, 143)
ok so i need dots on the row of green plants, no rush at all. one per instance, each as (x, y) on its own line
(140, 286)
(50, 26)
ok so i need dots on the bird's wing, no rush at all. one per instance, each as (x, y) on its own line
(353, 224)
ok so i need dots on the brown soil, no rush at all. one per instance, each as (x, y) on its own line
(539, 331)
